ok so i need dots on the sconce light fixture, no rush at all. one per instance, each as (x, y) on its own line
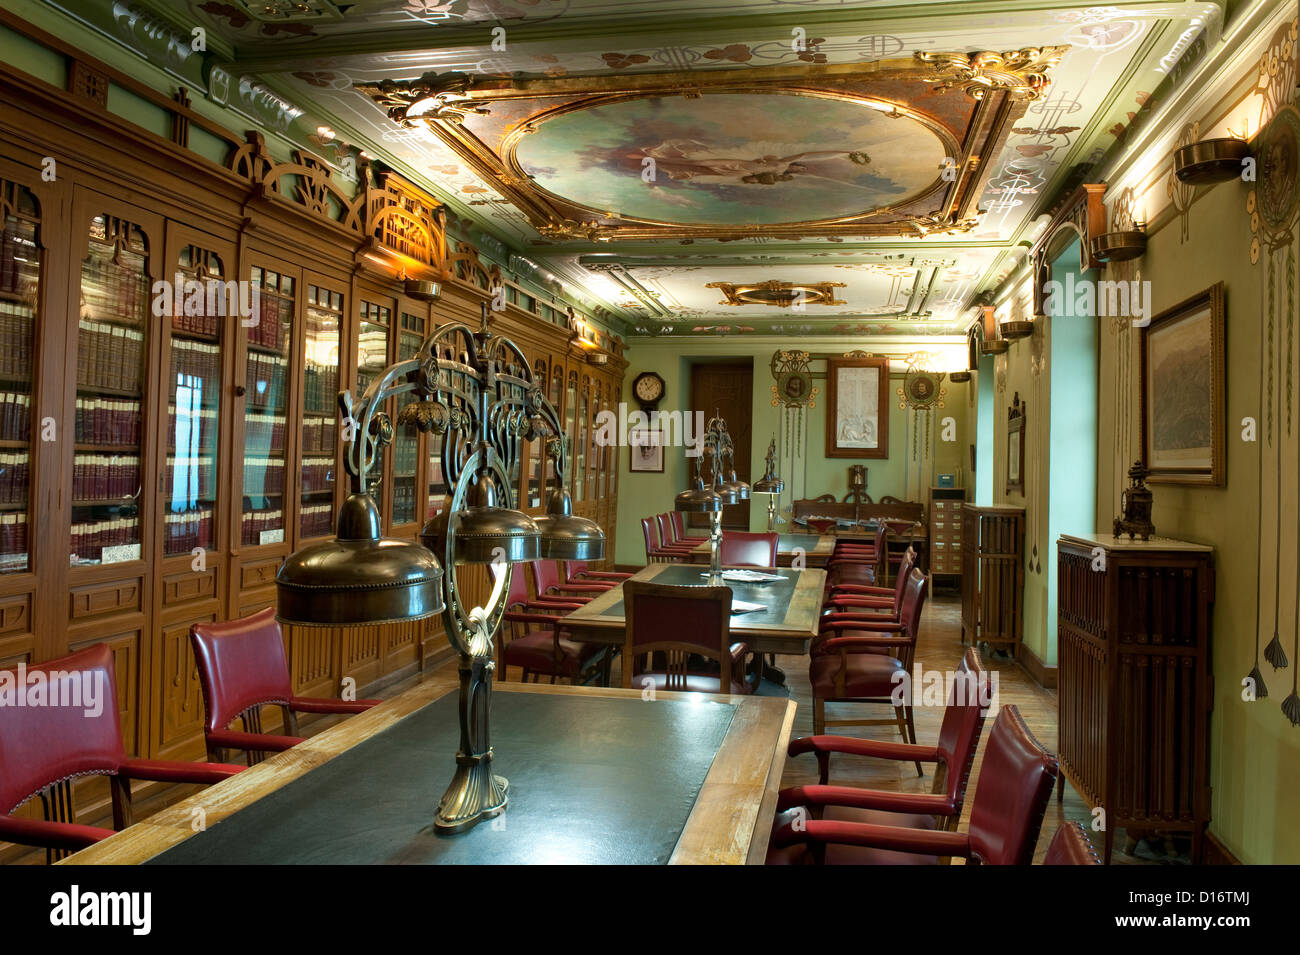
(1211, 160)
(1120, 246)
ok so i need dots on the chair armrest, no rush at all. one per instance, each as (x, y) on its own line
(738, 652)
(177, 771)
(872, 603)
(546, 619)
(558, 603)
(820, 832)
(600, 575)
(257, 742)
(851, 797)
(561, 590)
(865, 589)
(852, 746)
(872, 623)
(50, 835)
(848, 643)
(316, 704)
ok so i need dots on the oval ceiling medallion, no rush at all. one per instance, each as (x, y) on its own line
(738, 158)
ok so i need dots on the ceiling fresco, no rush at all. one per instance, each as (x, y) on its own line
(781, 135)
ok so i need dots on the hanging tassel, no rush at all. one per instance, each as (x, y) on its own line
(1274, 653)
(1257, 678)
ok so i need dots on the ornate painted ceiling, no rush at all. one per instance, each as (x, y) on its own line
(659, 155)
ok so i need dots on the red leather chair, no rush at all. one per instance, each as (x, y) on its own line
(533, 640)
(959, 736)
(878, 602)
(654, 554)
(43, 748)
(546, 580)
(668, 536)
(855, 562)
(848, 667)
(242, 667)
(1015, 781)
(576, 572)
(679, 530)
(748, 550)
(1071, 846)
(675, 624)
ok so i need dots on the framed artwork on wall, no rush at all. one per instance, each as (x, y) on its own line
(857, 413)
(1182, 392)
(647, 452)
(1016, 446)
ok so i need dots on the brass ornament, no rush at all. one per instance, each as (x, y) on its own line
(1023, 74)
(1135, 506)
(794, 387)
(778, 294)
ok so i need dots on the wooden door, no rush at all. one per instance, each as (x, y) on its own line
(727, 389)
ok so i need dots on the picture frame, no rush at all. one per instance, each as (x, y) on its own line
(646, 453)
(1016, 429)
(1182, 387)
(857, 408)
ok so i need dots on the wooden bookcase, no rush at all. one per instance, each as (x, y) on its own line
(993, 575)
(1135, 689)
(945, 530)
(156, 466)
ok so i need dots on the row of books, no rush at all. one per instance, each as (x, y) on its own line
(13, 542)
(14, 476)
(266, 377)
(192, 359)
(203, 320)
(109, 356)
(16, 325)
(317, 520)
(406, 454)
(197, 478)
(267, 472)
(404, 502)
(184, 532)
(109, 290)
(91, 537)
(318, 433)
(274, 320)
(264, 431)
(19, 260)
(105, 477)
(317, 474)
(108, 421)
(320, 387)
(255, 522)
(204, 419)
(15, 416)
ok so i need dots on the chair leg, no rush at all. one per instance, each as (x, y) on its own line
(120, 793)
(911, 729)
(900, 717)
(819, 716)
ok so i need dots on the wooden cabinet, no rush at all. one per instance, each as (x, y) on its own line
(1135, 682)
(993, 575)
(944, 531)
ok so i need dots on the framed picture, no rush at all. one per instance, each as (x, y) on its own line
(647, 452)
(857, 413)
(1183, 396)
(1016, 446)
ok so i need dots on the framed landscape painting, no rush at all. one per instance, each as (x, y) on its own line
(857, 410)
(1183, 396)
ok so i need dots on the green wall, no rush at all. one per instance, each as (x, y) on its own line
(642, 495)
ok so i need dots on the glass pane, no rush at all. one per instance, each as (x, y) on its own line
(193, 405)
(372, 343)
(406, 438)
(112, 334)
(20, 264)
(570, 424)
(535, 449)
(580, 450)
(266, 407)
(320, 411)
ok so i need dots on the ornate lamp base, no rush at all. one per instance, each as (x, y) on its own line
(475, 793)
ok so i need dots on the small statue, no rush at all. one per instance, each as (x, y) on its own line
(1135, 503)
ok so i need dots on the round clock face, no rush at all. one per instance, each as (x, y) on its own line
(649, 388)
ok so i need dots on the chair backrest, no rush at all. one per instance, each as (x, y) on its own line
(905, 568)
(1071, 846)
(546, 574)
(667, 533)
(59, 719)
(651, 537)
(241, 664)
(679, 622)
(915, 591)
(574, 569)
(1016, 779)
(518, 592)
(740, 549)
(963, 721)
(679, 524)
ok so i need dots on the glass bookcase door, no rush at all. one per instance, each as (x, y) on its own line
(571, 426)
(536, 449)
(266, 406)
(322, 340)
(20, 273)
(580, 448)
(406, 438)
(194, 401)
(112, 355)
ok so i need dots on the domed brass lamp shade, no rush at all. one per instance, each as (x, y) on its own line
(565, 536)
(736, 487)
(359, 577)
(485, 533)
(766, 485)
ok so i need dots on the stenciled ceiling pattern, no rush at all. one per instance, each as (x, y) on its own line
(786, 142)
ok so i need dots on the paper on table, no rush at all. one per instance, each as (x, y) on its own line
(743, 606)
(747, 576)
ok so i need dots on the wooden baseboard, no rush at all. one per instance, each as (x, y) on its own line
(1044, 675)
(1215, 852)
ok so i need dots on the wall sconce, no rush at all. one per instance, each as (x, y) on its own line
(1120, 246)
(1211, 160)
(1012, 331)
(994, 346)
(422, 290)
(959, 376)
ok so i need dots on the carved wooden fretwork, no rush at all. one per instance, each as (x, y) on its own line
(1085, 214)
(87, 82)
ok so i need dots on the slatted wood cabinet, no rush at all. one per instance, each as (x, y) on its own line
(1135, 681)
(992, 575)
(945, 530)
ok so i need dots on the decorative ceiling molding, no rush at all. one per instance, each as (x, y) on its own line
(1024, 74)
(778, 294)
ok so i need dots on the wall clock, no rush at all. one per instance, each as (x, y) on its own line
(649, 390)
